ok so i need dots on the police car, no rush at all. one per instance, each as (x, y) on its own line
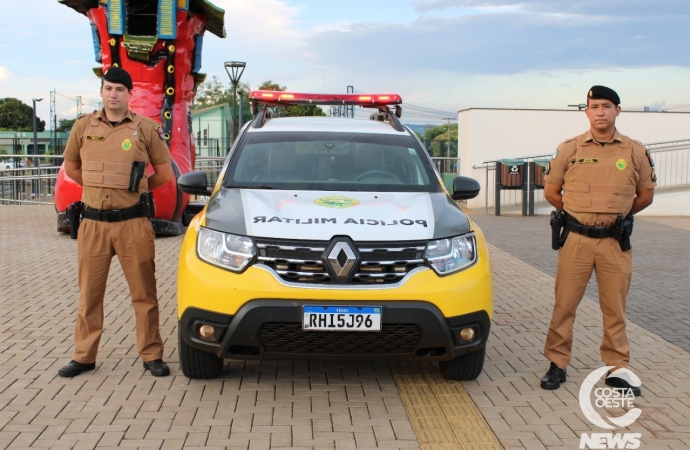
(332, 238)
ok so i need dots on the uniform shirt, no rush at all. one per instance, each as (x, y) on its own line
(107, 198)
(565, 154)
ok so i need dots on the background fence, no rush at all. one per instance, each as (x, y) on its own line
(672, 165)
(34, 181)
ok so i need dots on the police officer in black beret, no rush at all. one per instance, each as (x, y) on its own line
(596, 181)
(102, 146)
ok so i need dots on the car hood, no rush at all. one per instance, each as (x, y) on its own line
(320, 215)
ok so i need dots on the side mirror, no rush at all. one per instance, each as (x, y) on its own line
(465, 188)
(194, 183)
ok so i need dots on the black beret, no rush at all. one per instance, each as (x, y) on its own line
(603, 93)
(117, 75)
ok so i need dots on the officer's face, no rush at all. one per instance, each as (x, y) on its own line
(602, 114)
(115, 96)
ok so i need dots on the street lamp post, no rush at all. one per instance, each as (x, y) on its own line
(234, 70)
(35, 150)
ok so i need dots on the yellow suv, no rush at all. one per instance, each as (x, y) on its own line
(332, 238)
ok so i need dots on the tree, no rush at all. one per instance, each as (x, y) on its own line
(65, 125)
(436, 140)
(211, 93)
(271, 86)
(15, 115)
(301, 111)
(290, 111)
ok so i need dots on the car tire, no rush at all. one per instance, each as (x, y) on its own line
(464, 367)
(197, 364)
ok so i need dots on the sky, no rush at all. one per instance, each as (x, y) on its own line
(445, 55)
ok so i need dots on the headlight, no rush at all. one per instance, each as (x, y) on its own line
(225, 250)
(452, 254)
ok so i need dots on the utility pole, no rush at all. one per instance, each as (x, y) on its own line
(448, 136)
(234, 69)
(53, 122)
(78, 106)
(350, 110)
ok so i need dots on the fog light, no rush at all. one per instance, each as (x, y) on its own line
(207, 331)
(467, 334)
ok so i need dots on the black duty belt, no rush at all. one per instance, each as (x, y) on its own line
(593, 232)
(113, 215)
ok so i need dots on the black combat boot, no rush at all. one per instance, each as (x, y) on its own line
(553, 378)
(75, 368)
(624, 385)
(157, 367)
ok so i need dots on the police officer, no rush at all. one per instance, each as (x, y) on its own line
(597, 179)
(102, 149)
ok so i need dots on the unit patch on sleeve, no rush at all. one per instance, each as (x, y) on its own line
(554, 154)
(158, 128)
(651, 162)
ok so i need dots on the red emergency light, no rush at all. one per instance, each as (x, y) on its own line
(295, 98)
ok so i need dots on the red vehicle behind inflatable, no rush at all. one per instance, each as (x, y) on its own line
(159, 43)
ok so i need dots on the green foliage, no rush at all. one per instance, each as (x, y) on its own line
(436, 140)
(65, 125)
(18, 116)
(271, 86)
(302, 110)
(290, 111)
(212, 93)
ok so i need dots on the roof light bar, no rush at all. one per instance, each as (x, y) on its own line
(295, 98)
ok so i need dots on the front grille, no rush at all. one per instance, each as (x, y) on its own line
(301, 262)
(398, 338)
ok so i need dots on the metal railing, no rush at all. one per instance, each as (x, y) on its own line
(449, 168)
(510, 197)
(35, 184)
(672, 165)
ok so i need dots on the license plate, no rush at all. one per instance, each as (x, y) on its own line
(341, 318)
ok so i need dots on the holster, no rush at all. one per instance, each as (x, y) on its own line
(147, 205)
(558, 231)
(623, 230)
(73, 215)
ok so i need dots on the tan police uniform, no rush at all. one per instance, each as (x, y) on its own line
(106, 152)
(599, 183)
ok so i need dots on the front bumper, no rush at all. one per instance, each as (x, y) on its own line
(272, 329)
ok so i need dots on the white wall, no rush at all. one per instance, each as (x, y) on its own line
(490, 134)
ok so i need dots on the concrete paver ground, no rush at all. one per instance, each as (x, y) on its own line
(319, 405)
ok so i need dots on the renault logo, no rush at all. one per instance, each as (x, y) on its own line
(342, 259)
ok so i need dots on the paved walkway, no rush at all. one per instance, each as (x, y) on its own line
(321, 405)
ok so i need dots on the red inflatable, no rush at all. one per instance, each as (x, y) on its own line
(159, 43)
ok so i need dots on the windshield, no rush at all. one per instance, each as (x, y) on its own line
(331, 162)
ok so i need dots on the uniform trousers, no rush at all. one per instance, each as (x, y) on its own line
(613, 267)
(132, 242)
